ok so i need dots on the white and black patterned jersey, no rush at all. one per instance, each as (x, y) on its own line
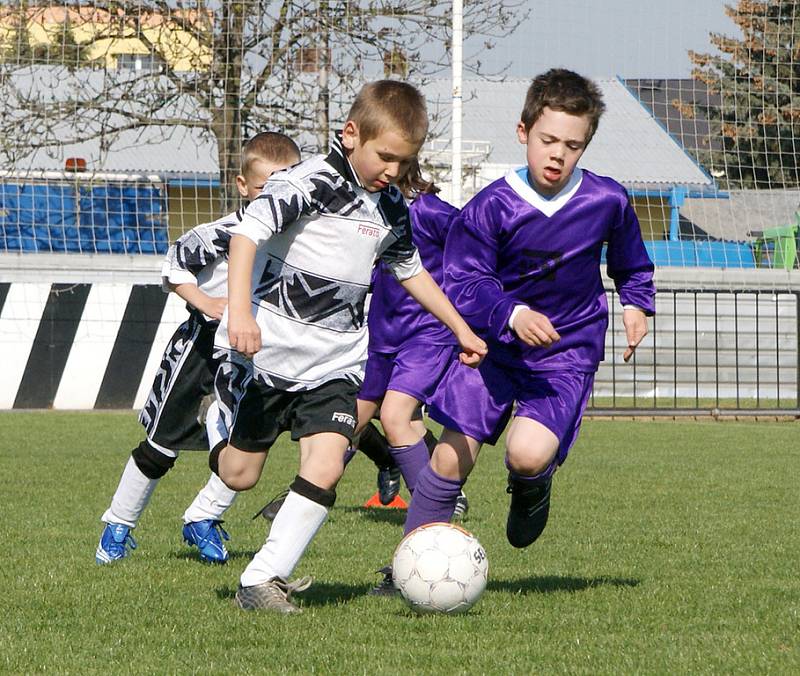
(319, 234)
(200, 256)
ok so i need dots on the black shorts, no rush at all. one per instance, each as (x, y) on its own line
(264, 413)
(184, 377)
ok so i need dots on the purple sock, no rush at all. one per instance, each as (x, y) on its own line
(411, 460)
(349, 454)
(434, 499)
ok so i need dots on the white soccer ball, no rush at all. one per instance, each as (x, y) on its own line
(440, 568)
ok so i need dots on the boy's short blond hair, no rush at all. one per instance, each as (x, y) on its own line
(270, 146)
(563, 90)
(390, 105)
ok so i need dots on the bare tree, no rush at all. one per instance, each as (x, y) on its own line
(255, 65)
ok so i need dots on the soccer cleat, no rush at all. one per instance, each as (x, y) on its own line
(530, 507)
(462, 507)
(388, 484)
(207, 535)
(271, 509)
(386, 586)
(274, 594)
(114, 543)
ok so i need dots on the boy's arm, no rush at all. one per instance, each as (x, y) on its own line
(279, 205)
(197, 298)
(244, 334)
(425, 291)
(632, 271)
(472, 280)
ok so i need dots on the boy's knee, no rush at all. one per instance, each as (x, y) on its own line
(529, 461)
(151, 462)
(396, 426)
(238, 476)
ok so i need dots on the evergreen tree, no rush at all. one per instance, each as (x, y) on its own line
(757, 80)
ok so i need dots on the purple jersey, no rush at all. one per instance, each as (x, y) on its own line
(511, 246)
(395, 318)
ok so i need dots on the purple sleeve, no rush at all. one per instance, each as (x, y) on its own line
(629, 265)
(472, 280)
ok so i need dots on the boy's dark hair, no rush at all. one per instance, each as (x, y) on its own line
(564, 90)
(390, 105)
(270, 146)
(412, 183)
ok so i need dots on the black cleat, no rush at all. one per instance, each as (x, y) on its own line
(462, 507)
(271, 509)
(530, 507)
(386, 586)
(388, 484)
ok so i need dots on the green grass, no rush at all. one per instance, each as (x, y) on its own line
(672, 548)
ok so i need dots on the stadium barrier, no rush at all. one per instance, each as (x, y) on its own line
(97, 343)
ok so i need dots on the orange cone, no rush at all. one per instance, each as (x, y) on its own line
(397, 503)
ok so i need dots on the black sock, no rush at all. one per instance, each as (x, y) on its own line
(374, 445)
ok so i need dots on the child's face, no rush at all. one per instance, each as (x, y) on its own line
(555, 143)
(379, 161)
(252, 183)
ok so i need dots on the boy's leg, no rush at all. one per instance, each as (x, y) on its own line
(440, 481)
(203, 518)
(530, 451)
(323, 421)
(409, 451)
(169, 418)
(311, 495)
(548, 418)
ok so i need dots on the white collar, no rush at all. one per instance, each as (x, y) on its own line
(547, 206)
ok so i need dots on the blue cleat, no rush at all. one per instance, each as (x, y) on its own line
(207, 536)
(114, 543)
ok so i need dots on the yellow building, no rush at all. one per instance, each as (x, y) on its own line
(114, 39)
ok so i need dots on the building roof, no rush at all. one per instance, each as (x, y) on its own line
(743, 212)
(630, 145)
(678, 105)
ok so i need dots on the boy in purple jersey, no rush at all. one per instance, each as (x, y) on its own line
(522, 265)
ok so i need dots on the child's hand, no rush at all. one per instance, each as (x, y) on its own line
(534, 329)
(635, 323)
(214, 307)
(244, 334)
(473, 349)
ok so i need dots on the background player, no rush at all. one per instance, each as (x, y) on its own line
(196, 269)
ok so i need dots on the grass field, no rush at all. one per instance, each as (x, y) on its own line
(672, 548)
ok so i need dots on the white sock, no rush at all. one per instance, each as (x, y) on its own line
(215, 426)
(131, 497)
(292, 531)
(211, 502)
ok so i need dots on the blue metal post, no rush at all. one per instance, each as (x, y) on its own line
(677, 195)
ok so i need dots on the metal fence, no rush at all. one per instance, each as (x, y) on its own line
(711, 350)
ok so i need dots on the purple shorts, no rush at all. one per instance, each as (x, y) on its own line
(415, 370)
(479, 402)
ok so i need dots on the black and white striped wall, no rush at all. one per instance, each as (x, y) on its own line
(84, 345)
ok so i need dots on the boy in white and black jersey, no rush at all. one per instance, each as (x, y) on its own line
(299, 272)
(196, 269)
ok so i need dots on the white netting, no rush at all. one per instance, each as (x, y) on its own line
(122, 125)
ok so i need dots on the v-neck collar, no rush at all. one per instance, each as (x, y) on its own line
(549, 207)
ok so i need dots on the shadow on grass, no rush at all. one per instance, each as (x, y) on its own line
(554, 583)
(192, 555)
(394, 516)
(320, 593)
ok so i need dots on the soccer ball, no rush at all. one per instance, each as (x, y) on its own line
(440, 568)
